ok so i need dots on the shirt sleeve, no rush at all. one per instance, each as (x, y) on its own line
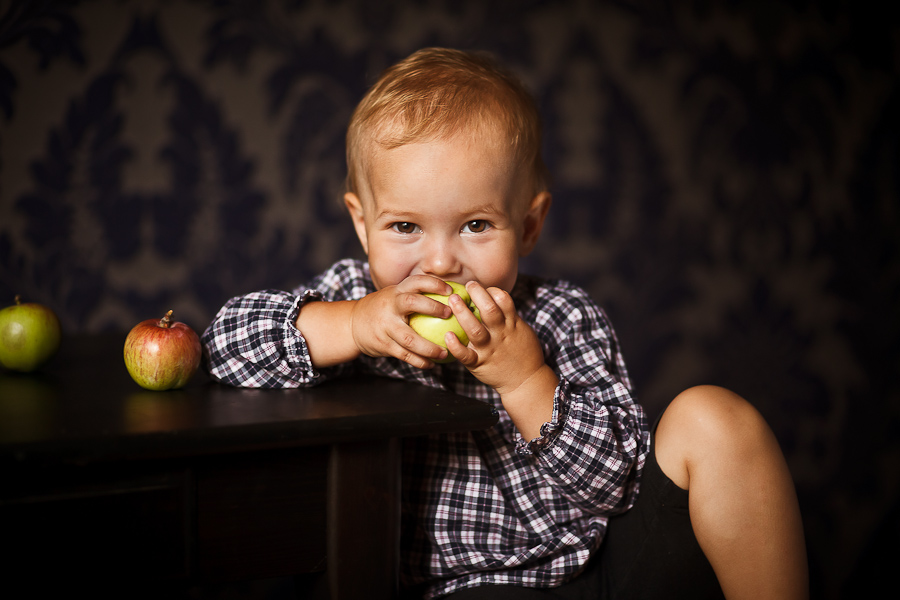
(253, 340)
(594, 447)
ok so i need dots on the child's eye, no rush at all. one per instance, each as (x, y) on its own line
(477, 226)
(405, 227)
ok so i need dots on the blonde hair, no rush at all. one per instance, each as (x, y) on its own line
(436, 93)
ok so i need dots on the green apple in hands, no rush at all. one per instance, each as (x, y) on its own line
(433, 328)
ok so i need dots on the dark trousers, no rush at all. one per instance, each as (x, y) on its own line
(648, 553)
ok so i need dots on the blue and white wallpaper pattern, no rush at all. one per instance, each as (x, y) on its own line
(726, 184)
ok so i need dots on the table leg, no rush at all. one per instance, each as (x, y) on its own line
(364, 519)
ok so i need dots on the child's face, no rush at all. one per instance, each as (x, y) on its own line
(449, 209)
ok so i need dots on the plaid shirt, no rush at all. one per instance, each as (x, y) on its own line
(485, 507)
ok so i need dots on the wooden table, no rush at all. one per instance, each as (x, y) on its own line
(102, 480)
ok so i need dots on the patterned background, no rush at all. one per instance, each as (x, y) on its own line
(726, 185)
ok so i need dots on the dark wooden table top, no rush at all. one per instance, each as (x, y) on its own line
(84, 407)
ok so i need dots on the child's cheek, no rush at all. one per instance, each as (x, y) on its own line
(500, 272)
(389, 264)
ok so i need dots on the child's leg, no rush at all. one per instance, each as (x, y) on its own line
(742, 502)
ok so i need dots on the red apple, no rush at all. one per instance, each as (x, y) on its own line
(29, 335)
(162, 355)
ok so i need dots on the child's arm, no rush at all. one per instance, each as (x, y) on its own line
(279, 339)
(593, 433)
(505, 353)
(326, 328)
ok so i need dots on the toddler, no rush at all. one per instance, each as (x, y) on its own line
(570, 495)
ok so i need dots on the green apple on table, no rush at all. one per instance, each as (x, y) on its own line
(29, 335)
(433, 328)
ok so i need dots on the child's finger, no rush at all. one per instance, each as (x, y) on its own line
(463, 354)
(474, 328)
(493, 313)
(412, 299)
(413, 303)
(417, 351)
(503, 300)
(424, 284)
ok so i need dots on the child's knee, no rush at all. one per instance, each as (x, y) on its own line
(706, 423)
(715, 415)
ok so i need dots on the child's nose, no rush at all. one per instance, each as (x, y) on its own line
(440, 259)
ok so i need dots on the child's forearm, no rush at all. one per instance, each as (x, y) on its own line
(530, 405)
(326, 327)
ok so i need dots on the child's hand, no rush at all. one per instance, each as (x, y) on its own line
(505, 353)
(379, 322)
(503, 350)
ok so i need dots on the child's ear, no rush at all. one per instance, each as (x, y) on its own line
(354, 206)
(534, 221)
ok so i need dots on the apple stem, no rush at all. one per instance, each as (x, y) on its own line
(166, 321)
(18, 299)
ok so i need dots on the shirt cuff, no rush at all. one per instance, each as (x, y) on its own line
(298, 354)
(551, 429)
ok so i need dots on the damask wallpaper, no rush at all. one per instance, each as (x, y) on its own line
(725, 183)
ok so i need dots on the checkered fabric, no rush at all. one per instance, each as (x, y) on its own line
(486, 507)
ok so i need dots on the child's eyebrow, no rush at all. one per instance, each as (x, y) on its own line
(477, 212)
(395, 215)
